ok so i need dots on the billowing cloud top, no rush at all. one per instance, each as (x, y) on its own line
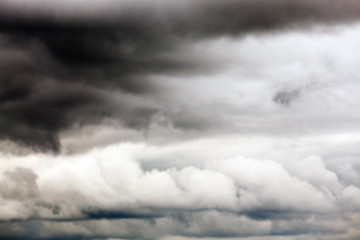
(160, 119)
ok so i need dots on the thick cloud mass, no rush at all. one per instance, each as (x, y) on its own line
(120, 191)
(57, 65)
(156, 119)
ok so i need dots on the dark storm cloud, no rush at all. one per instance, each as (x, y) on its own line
(34, 115)
(51, 63)
(48, 83)
(150, 18)
(49, 87)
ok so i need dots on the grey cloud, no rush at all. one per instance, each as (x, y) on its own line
(19, 184)
(229, 16)
(40, 102)
(44, 95)
(203, 82)
(201, 225)
(285, 98)
(49, 56)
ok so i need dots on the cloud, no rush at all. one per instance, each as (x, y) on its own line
(286, 97)
(108, 190)
(63, 62)
(230, 16)
(19, 184)
(187, 120)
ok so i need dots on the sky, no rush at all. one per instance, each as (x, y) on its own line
(180, 120)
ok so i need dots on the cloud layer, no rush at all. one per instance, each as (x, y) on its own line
(60, 67)
(163, 120)
(119, 191)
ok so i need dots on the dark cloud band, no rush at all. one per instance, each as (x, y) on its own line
(53, 65)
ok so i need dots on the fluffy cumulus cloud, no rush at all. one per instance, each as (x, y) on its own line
(126, 190)
(157, 119)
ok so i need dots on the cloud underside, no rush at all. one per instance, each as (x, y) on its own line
(231, 119)
(63, 68)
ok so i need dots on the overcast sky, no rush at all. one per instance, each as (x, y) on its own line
(180, 120)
